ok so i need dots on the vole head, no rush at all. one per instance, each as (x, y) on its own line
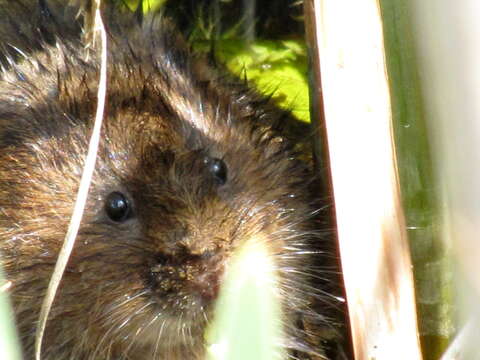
(190, 168)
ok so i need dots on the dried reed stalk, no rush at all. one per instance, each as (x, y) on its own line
(371, 230)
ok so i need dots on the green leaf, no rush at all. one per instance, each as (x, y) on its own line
(275, 67)
(148, 5)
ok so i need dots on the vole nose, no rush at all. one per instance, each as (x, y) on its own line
(207, 284)
(206, 281)
(198, 275)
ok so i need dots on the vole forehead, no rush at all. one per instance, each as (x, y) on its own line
(156, 98)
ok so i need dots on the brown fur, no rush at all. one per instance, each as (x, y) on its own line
(143, 289)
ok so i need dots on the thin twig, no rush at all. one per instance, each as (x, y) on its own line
(82, 191)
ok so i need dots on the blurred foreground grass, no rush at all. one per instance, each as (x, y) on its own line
(420, 193)
(9, 349)
(247, 319)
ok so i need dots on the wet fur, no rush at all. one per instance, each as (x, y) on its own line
(125, 294)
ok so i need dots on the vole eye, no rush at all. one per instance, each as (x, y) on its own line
(218, 169)
(117, 207)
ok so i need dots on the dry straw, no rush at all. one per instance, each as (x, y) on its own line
(98, 31)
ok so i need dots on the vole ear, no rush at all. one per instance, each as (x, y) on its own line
(189, 86)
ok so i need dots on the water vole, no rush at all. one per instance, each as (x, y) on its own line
(191, 164)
